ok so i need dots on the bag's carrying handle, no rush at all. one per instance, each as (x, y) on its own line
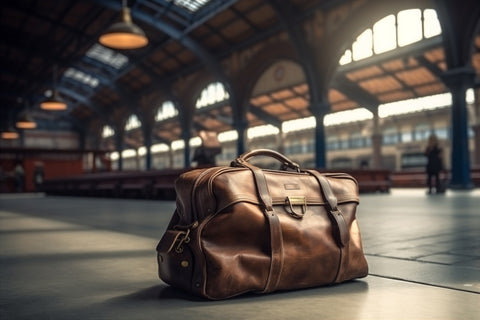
(286, 163)
(276, 239)
(340, 227)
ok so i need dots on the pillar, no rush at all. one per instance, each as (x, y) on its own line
(476, 128)
(186, 149)
(147, 132)
(320, 145)
(377, 140)
(476, 145)
(148, 158)
(241, 127)
(171, 155)
(148, 153)
(119, 146)
(458, 81)
(281, 141)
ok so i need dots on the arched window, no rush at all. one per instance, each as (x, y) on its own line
(132, 123)
(362, 47)
(393, 31)
(107, 131)
(385, 38)
(409, 26)
(213, 93)
(166, 111)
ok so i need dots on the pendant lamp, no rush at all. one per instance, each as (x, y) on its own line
(9, 134)
(25, 119)
(124, 34)
(54, 102)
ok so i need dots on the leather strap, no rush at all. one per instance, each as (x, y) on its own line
(340, 227)
(286, 163)
(276, 240)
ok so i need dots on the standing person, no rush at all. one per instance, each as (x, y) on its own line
(19, 177)
(38, 176)
(433, 153)
(205, 154)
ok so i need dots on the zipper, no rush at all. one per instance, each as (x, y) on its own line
(219, 172)
(194, 187)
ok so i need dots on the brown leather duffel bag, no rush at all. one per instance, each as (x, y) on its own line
(241, 228)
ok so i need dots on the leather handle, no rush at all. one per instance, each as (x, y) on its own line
(286, 163)
(276, 239)
(340, 227)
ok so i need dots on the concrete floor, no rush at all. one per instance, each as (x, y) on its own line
(84, 258)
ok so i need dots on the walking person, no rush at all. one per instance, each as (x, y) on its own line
(433, 152)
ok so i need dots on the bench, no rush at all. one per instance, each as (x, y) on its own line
(369, 180)
(415, 178)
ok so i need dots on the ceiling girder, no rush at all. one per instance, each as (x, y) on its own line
(266, 117)
(353, 91)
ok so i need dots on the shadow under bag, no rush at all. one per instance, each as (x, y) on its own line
(244, 229)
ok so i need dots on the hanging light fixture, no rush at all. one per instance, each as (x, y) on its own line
(9, 134)
(25, 120)
(124, 34)
(54, 102)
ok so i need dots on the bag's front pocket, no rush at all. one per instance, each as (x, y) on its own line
(175, 259)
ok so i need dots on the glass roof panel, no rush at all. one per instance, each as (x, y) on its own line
(109, 57)
(191, 5)
(82, 77)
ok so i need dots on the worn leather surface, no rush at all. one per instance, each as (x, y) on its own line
(243, 236)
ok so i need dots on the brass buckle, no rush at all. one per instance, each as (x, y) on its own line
(291, 201)
(183, 238)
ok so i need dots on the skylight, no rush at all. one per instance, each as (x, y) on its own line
(129, 153)
(299, 124)
(260, 131)
(81, 77)
(109, 57)
(142, 151)
(159, 147)
(415, 105)
(358, 114)
(191, 5)
(178, 144)
(195, 142)
(230, 135)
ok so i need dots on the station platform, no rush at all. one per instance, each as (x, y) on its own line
(93, 258)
